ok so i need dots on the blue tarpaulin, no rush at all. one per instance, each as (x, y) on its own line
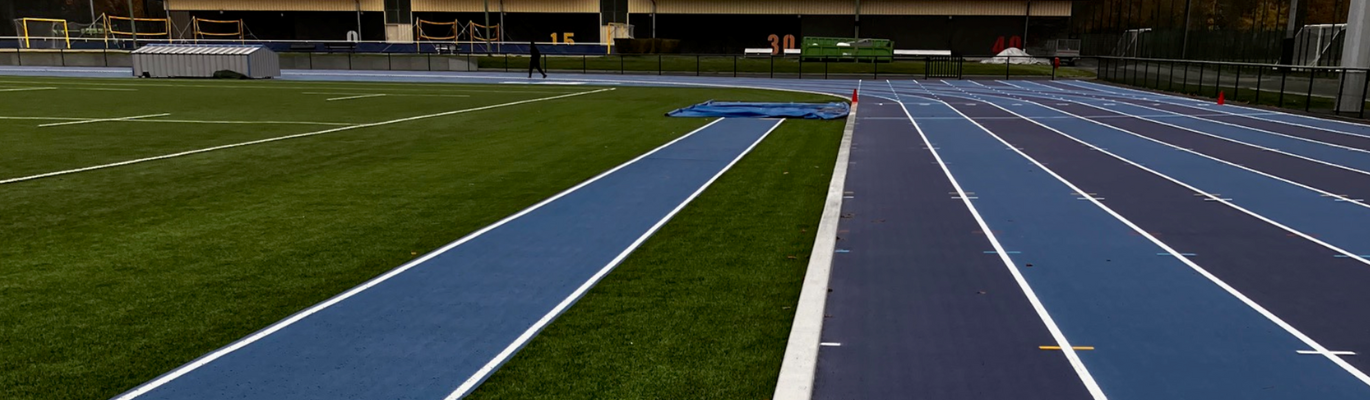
(733, 109)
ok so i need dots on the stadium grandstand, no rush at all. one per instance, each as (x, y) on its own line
(703, 26)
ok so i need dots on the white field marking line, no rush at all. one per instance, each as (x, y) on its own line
(1256, 116)
(830, 344)
(1180, 256)
(206, 359)
(1270, 149)
(101, 89)
(800, 362)
(1085, 377)
(1208, 196)
(298, 135)
(88, 121)
(26, 89)
(193, 121)
(394, 94)
(360, 96)
(177, 121)
(320, 86)
(518, 343)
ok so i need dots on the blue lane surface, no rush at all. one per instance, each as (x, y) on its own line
(919, 310)
(423, 332)
(1296, 279)
(1161, 331)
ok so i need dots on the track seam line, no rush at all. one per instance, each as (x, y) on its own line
(1078, 365)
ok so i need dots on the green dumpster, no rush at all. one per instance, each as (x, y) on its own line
(846, 49)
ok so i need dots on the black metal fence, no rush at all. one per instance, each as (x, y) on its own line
(1330, 90)
(734, 65)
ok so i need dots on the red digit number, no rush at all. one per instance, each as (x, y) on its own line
(789, 41)
(999, 45)
(775, 43)
(1016, 41)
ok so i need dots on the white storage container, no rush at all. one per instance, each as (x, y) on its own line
(203, 60)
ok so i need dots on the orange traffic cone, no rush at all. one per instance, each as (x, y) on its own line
(853, 96)
(1220, 98)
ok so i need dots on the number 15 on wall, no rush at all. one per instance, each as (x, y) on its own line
(567, 38)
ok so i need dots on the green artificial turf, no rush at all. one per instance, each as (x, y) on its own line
(111, 277)
(703, 310)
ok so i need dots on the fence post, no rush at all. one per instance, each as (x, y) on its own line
(1284, 77)
(1202, 67)
(105, 53)
(389, 66)
(734, 65)
(506, 62)
(620, 63)
(1365, 87)
(584, 64)
(875, 65)
(696, 65)
(62, 55)
(1008, 62)
(1308, 100)
(801, 66)
(1218, 82)
(1237, 85)
(772, 66)
(1184, 87)
(1341, 89)
(825, 68)
(1170, 86)
(349, 61)
(1260, 75)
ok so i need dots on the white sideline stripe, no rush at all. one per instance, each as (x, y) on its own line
(88, 121)
(339, 129)
(360, 86)
(102, 89)
(361, 96)
(830, 344)
(394, 94)
(192, 121)
(518, 343)
(179, 121)
(797, 368)
(1233, 291)
(1197, 117)
(26, 89)
(1085, 377)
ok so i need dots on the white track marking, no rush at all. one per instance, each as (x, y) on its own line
(1119, 91)
(1338, 353)
(830, 344)
(797, 369)
(27, 89)
(49, 118)
(1085, 377)
(1196, 117)
(1180, 256)
(88, 121)
(340, 129)
(360, 96)
(101, 89)
(518, 343)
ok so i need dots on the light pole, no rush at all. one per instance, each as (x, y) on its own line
(133, 24)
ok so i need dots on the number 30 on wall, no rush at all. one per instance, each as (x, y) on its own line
(776, 43)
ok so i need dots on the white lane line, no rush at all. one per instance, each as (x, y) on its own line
(267, 140)
(58, 118)
(1258, 114)
(1334, 352)
(518, 343)
(27, 89)
(193, 121)
(1213, 278)
(829, 344)
(1270, 149)
(88, 121)
(1119, 91)
(798, 367)
(1060, 337)
(1196, 117)
(360, 96)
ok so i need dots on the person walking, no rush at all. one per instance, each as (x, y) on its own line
(535, 61)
